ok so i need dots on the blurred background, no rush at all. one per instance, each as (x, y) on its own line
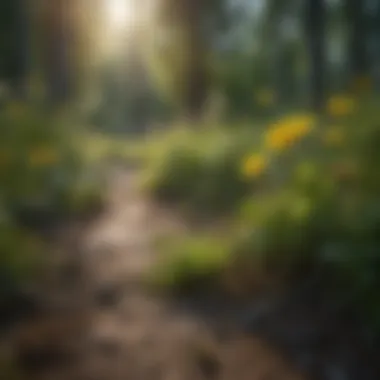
(220, 152)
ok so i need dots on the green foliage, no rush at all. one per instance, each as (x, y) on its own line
(21, 257)
(85, 197)
(203, 173)
(324, 210)
(181, 171)
(222, 186)
(39, 165)
(42, 181)
(236, 80)
(191, 263)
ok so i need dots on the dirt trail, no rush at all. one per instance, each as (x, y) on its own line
(118, 330)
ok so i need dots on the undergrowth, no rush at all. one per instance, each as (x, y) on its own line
(302, 195)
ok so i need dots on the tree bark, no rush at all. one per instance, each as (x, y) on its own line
(195, 89)
(15, 56)
(315, 15)
(57, 51)
(376, 44)
(196, 92)
(358, 59)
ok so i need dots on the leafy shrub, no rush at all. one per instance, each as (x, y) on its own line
(42, 181)
(39, 165)
(21, 258)
(202, 174)
(320, 206)
(179, 174)
(191, 263)
(85, 197)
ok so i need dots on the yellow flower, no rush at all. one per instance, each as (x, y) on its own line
(334, 136)
(254, 165)
(288, 131)
(265, 97)
(340, 106)
(43, 156)
(278, 139)
(300, 125)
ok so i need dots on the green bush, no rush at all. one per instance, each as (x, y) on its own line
(191, 263)
(39, 164)
(222, 187)
(179, 174)
(85, 197)
(320, 208)
(328, 201)
(203, 174)
(21, 258)
(43, 181)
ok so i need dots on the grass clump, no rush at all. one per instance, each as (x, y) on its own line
(191, 263)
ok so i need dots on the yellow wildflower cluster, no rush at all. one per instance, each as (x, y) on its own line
(42, 156)
(338, 106)
(254, 166)
(288, 131)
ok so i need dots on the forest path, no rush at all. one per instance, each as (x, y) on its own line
(117, 328)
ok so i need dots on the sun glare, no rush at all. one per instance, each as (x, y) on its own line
(119, 13)
(122, 23)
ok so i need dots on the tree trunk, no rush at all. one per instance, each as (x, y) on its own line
(195, 89)
(57, 51)
(358, 59)
(376, 43)
(315, 14)
(15, 55)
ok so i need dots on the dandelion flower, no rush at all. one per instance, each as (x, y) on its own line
(300, 125)
(278, 139)
(254, 166)
(288, 131)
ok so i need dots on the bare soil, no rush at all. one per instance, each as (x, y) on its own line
(103, 323)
